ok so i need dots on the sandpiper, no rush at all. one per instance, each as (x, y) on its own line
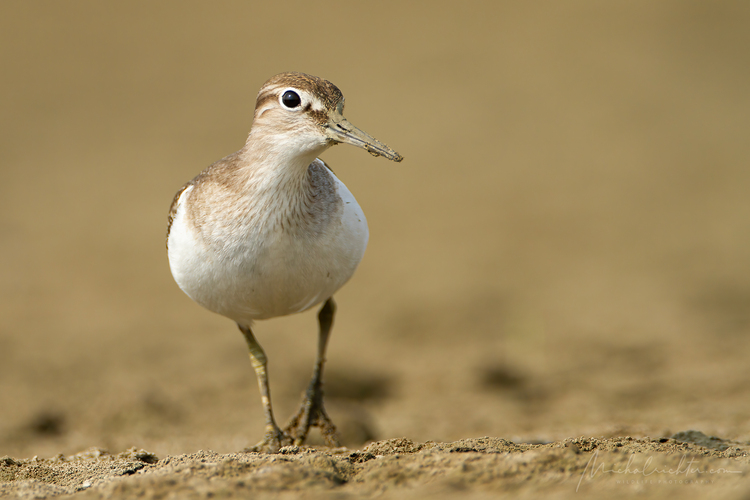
(270, 230)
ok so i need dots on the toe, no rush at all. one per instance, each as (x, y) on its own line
(272, 442)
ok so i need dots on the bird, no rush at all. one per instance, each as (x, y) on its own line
(270, 231)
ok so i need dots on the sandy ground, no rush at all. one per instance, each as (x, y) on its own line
(560, 262)
(399, 468)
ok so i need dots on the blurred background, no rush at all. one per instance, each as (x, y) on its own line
(564, 251)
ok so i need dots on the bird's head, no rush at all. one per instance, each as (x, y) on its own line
(305, 113)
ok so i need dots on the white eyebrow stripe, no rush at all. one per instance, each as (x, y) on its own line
(317, 104)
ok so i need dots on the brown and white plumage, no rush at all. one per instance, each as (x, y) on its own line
(270, 230)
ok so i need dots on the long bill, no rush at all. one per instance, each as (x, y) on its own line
(338, 129)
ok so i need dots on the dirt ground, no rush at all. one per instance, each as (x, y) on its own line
(561, 262)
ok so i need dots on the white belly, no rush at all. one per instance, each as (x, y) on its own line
(266, 273)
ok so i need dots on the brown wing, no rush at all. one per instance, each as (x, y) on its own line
(326, 165)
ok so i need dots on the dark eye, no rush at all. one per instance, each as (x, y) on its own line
(291, 99)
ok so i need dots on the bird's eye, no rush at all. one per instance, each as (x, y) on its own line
(291, 99)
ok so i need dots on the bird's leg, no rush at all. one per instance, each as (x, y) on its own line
(311, 412)
(274, 438)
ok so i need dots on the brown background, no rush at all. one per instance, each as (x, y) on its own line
(564, 251)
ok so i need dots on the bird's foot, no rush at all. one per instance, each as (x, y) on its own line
(312, 414)
(272, 442)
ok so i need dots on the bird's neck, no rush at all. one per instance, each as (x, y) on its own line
(277, 182)
(278, 162)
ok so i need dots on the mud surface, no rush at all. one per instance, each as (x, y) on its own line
(396, 468)
(563, 251)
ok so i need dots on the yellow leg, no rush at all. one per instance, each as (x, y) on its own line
(311, 412)
(274, 437)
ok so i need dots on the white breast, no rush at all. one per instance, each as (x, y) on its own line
(259, 272)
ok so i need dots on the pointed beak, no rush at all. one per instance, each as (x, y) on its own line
(338, 129)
